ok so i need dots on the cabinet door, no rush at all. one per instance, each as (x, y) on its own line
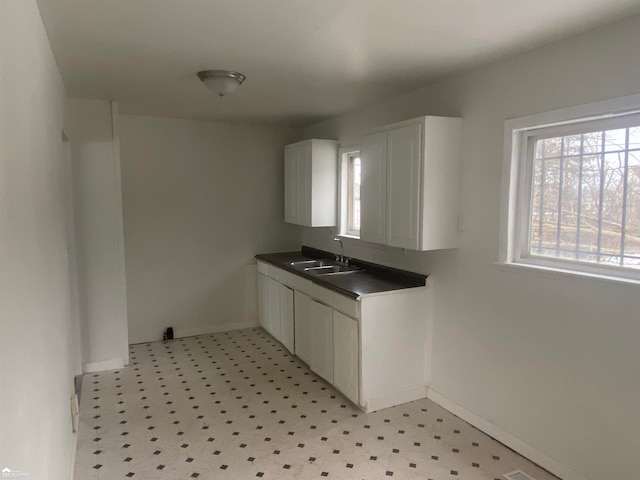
(274, 308)
(403, 186)
(303, 184)
(322, 340)
(263, 301)
(302, 317)
(345, 356)
(373, 212)
(286, 318)
(290, 184)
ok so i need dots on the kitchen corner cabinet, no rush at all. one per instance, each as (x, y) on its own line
(310, 183)
(372, 349)
(409, 189)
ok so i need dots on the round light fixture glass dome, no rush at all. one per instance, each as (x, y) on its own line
(221, 82)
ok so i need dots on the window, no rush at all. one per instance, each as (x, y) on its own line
(350, 174)
(574, 191)
(353, 208)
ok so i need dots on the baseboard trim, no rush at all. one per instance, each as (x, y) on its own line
(192, 332)
(506, 438)
(74, 455)
(209, 329)
(112, 364)
(395, 399)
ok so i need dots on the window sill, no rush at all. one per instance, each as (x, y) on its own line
(554, 272)
(351, 239)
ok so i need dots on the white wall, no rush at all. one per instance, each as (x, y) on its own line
(98, 224)
(36, 365)
(200, 200)
(551, 363)
(78, 329)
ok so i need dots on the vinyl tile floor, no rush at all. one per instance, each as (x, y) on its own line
(236, 405)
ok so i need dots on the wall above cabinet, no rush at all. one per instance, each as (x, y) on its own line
(310, 183)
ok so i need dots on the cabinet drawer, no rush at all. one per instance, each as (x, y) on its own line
(269, 270)
(321, 294)
(274, 272)
(296, 282)
(346, 305)
(263, 268)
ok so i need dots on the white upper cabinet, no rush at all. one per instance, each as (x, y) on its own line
(403, 186)
(409, 189)
(290, 185)
(310, 177)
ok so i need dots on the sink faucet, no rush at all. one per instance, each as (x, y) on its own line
(340, 258)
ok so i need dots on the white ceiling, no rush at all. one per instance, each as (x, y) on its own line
(305, 60)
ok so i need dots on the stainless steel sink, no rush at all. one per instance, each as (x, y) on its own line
(318, 268)
(311, 263)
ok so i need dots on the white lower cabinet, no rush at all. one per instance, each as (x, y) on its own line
(286, 318)
(372, 349)
(275, 310)
(263, 301)
(302, 320)
(345, 356)
(320, 336)
(273, 316)
(322, 340)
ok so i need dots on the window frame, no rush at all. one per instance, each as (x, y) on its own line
(351, 231)
(345, 153)
(517, 181)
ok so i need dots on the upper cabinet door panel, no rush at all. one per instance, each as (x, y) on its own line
(404, 160)
(303, 183)
(373, 155)
(290, 183)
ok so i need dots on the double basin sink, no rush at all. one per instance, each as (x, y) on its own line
(319, 268)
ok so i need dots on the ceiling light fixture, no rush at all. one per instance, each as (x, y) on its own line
(221, 82)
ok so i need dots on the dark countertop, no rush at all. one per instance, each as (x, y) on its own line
(374, 279)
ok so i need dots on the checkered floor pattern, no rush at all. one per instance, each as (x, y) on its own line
(237, 405)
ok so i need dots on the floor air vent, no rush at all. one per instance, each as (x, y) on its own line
(517, 475)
